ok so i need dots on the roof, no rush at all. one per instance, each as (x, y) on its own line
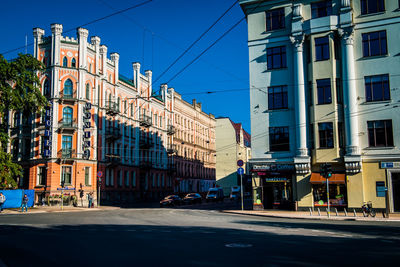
(246, 136)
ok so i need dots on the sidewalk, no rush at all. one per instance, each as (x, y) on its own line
(394, 217)
(45, 209)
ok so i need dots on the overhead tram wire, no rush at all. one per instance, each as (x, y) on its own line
(88, 23)
(195, 42)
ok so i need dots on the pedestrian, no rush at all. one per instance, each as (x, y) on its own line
(2, 201)
(90, 198)
(25, 200)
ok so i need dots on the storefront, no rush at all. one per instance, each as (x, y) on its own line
(337, 191)
(272, 186)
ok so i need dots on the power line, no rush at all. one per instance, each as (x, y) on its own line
(88, 23)
(198, 39)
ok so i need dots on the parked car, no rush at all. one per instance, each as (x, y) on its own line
(170, 201)
(192, 198)
(215, 194)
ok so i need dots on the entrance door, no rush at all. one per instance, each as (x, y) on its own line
(268, 196)
(396, 191)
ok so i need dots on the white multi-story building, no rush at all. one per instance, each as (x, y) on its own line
(324, 85)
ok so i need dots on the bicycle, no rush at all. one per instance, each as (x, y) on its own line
(368, 210)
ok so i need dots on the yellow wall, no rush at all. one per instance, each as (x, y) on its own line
(372, 174)
(355, 190)
(303, 191)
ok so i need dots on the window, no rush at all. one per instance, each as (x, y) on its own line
(67, 146)
(133, 177)
(68, 86)
(324, 91)
(276, 57)
(111, 177)
(66, 175)
(67, 116)
(275, 19)
(277, 97)
(374, 44)
(73, 63)
(87, 93)
(372, 6)
(120, 178)
(42, 173)
(279, 138)
(46, 88)
(132, 110)
(65, 62)
(325, 131)
(126, 178)
(377, 88)
(322, 48)
(87, 176)
(119, 104)
(380, 133)
(321, 9)
(380, 189)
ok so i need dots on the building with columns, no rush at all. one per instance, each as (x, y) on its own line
(101, 124)
(324, 89)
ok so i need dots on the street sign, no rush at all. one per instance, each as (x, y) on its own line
(240, 163)
(240, 171)
(66, 188)
(99, 174)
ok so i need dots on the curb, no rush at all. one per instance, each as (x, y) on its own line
(41, 211)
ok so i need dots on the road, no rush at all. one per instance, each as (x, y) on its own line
(201, 236)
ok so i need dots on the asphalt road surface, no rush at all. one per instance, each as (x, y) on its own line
(191, 237)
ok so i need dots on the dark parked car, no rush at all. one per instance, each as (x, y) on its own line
(192, 198)
(215, 194)
(170, 201)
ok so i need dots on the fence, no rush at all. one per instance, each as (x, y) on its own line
(14, 198)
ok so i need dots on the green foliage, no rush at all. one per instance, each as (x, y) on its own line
(19, 90)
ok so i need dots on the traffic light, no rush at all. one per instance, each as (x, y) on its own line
(326, 170)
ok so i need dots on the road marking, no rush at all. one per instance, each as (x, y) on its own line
(131, 230)
(387, 241)
(238, 245)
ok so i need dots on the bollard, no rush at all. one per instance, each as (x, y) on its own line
(364, 213)
(310, 212)
(336, 212)
(319, 212)
(355, 214)
(345, 212)
(327, 212)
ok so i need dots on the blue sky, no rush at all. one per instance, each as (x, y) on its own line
(166, 28)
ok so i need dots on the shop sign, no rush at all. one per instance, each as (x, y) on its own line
(86, 125)
(275, 179)
(48, 132)
(273, 167)
(390, 165)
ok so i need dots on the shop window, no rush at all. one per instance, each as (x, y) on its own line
(276, 57)
(73, 63)
(337, 195)
(377, 88)
(324, 91)
(275, 19)
(277, 97)
(374, 44)
(321, 9)
(42, 173)
(322, 48)
(65, 62)
(279, 138)
(66, 175)
(325, 131)
(380, 189)
(372, 6)
(380, 133)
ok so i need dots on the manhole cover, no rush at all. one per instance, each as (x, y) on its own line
(238, 245)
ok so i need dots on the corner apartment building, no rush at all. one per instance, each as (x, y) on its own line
(100, 124)
(233, 144)
(324, 78)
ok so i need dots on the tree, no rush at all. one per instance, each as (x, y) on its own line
(19, 91)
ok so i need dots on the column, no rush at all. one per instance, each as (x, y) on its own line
(300, 97)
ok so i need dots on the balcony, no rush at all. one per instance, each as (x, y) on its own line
(112, 108)
(67, 125)
(113, 133)
(67, 154)
(145, 120)
(145, 164)
(68, 98)
(145, 142)
(171, 130)
(113, 160)
(171, 149)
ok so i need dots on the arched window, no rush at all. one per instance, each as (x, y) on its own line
(119, 104)
(87, 95)
(73, 63)
(67, 115)
(46, 88)
(68, 88)
(65, 62)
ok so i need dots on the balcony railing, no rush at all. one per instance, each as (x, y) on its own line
(66, 97)
(67, 153)
(67, 125)
(145, 164)
(113, 159)
(113, 133)
(171, 167)
(112, 108)
(145, 120)
(171, 149)
(145, 142)
(171, 130)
